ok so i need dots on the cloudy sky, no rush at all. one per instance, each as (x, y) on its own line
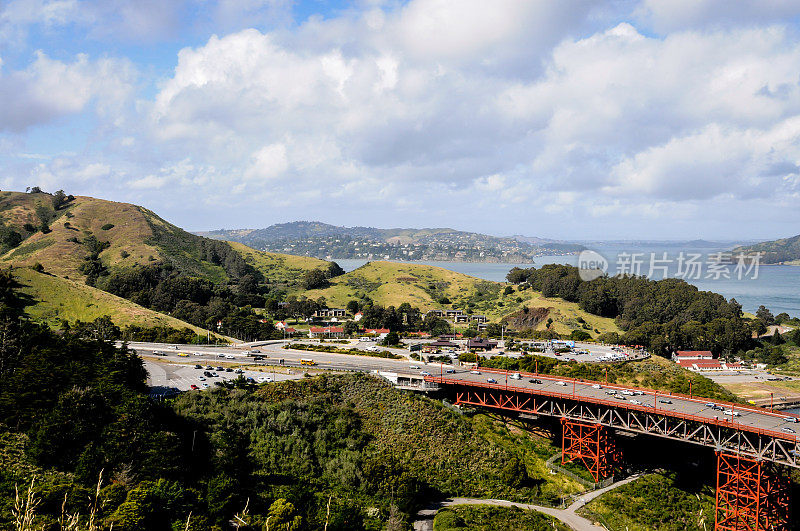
(580, 119)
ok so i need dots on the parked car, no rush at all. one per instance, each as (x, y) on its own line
(194, 387)
(198, 366)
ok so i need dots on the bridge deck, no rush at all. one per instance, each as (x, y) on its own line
(775, 426)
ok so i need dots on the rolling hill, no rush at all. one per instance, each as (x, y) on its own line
(423, 286)
(782, 251)
(60, 299)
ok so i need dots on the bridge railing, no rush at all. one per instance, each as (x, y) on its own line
(699, 400)
(617, 404)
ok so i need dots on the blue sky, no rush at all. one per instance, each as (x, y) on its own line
(575, 120)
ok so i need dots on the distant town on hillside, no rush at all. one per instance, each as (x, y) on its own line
(321, 240)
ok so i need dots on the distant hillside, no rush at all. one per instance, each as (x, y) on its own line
(783, 251)
(311, 238)
(423, 286)
(277, 268)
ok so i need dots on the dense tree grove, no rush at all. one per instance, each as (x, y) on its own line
(664, 315)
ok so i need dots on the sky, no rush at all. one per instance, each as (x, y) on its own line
(585, 119)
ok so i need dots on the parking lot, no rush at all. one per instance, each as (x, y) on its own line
(183, 376)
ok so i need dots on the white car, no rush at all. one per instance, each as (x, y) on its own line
(230, 356)
(265, 379)
(197, 353)
(636, 402)
(597, 386)
(415, 367)
(474, 372)
(561, 383)
(626, 392)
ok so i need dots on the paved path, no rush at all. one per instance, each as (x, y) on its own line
(568, 516)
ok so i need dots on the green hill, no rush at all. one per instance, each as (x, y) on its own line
(424, 286)
(62, 299)
(280, 269)
(783, 251)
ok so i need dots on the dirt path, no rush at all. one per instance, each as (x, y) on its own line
(424, 521)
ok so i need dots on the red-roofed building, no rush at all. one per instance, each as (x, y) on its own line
(380, 332)
(683, 355)
(326, 331)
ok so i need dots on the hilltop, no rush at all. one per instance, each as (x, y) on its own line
(782, 251)
(132, 253)
(322, 240)
(426, 287)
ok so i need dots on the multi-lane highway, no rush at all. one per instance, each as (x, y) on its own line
(733, 414)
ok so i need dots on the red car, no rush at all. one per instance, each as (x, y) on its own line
(195, 387)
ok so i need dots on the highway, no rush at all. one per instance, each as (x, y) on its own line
(747, 418)
(273, 353)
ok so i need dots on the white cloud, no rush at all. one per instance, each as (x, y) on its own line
(676, 15)
(49, 89)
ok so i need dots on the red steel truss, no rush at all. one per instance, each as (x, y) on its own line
(752, 495)
(592, 444)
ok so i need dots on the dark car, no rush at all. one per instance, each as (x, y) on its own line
(535, 381)
(198, 366)
(229, 369)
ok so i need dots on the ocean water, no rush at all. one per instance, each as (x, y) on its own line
(775, 286)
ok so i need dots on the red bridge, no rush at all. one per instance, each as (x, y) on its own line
(753, 445)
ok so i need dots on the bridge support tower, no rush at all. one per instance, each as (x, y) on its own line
(752, 495)
(592, 444)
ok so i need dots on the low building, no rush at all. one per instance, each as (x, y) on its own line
(691, 355)
(326, 331)
(358, 316)
(330, 312)
(435, 313)
(451, 314)
(478, 319)
(380, 332)
(480, 343)
(438, 345)
(461, 318)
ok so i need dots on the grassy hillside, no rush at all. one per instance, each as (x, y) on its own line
(281, 269)
(61, 250)
(57, 298)
(784, 250)
(391, 284)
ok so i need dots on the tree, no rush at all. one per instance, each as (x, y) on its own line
(765, 315)
(334, 270)
(579, 335)
(314, 279)
(508, 291)
(392, 338)
(283, 515)
(353, 307)
(351, 328)
(59, 199)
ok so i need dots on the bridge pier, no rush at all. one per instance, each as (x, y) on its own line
(592, 444)
(752, 495)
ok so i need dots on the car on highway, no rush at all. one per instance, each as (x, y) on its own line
(636, 402)
(665, 401)
(414, 367)
(220, 355)
(424, 373)
(597, 386)
(563, 384)
(197, 353)
(611, 392)
(173, 347)
(491, 380)
(619, 397)
(474, 372)
(732, 413)
(372, 348)
(535, 381)
(450, 371)
(787, 429)
(230, 356)
(790, 419)
(183, 355)
(627, 393)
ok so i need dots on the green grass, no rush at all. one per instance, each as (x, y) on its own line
(391, 284)
(280, 269)
(57, 298)
(656, 501)
(493, 518)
